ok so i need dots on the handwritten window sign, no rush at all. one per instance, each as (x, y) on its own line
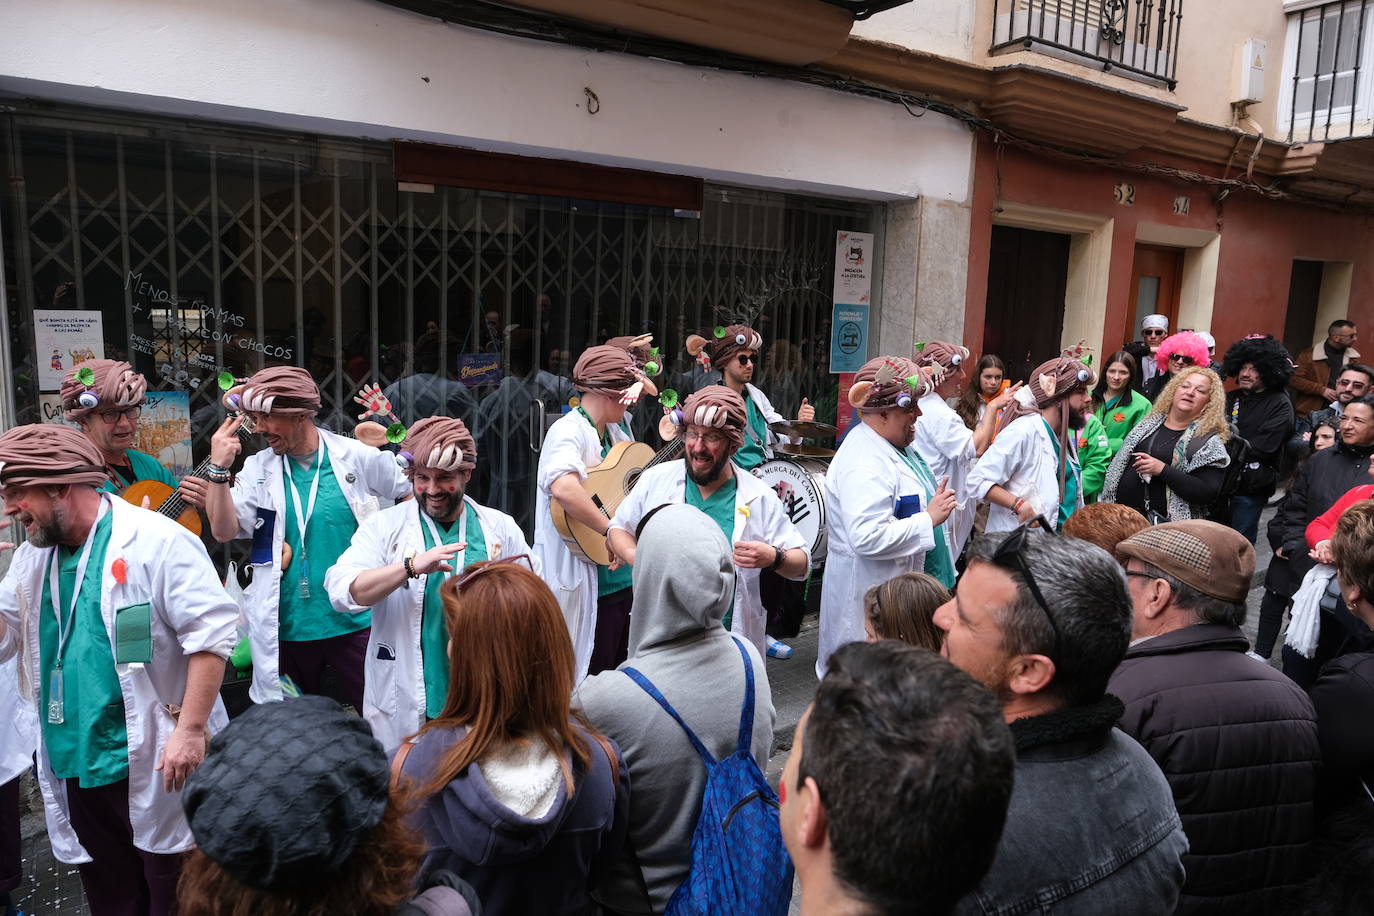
(65, 337)
(478, 369)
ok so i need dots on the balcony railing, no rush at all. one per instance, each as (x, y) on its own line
(1138, 37)
(1329, 96)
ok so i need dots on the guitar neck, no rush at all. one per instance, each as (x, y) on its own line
(174, 505)
(667, 453)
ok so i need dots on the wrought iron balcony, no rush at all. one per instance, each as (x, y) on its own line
(1327, 92)
(1138, 37)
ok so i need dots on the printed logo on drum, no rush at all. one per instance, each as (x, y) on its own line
(792, 501)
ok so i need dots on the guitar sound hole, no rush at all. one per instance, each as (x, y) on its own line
(632, 478)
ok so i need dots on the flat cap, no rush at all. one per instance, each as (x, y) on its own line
(1216, 560)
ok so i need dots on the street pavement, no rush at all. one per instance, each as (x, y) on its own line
(53, 888)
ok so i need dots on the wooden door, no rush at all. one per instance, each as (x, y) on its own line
(1156, 280)
(1027, 274)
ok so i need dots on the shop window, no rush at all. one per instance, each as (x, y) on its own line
(208, 250)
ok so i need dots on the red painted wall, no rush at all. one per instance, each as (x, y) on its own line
(1260, 238)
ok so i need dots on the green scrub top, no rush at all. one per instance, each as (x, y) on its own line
(433, 632)
(750, 455)
(144, 467)
(331, 531)
(937, 560)
(720, 507)
(91, 745)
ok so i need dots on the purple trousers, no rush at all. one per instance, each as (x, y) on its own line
(612, 639)
(120, 879)
(11, 854)
(305, 663)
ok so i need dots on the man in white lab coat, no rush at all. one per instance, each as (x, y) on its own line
(308, 491)
(395, 565)
(595, 599)
(117, 618)
(885, 509)
(1032, 467)
(749, 513)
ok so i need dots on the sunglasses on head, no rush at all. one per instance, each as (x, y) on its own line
(466, 578)
(1009, 556)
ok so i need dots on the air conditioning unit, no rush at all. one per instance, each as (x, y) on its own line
(1249, 85)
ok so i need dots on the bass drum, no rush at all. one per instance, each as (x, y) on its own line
(800, 484)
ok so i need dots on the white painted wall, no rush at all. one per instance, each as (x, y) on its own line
(943, 27)
(357, 68)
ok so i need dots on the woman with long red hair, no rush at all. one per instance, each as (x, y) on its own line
(509, 782)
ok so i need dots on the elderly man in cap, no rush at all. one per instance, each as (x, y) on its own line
(595, 599)
(886, 510)
(1236, 739)
(105, 398)
(441, 531)
(1032, 467)
(749, 513)
(117, 616)
(300, 500)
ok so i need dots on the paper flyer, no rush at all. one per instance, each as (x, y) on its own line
(63, 338)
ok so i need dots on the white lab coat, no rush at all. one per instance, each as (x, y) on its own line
(394, 689)
(1022, 460)
(946, 444)
(18, 723)
(759, 516)
(191, 612)
(868, 544)
(571, 446)
(370, 480)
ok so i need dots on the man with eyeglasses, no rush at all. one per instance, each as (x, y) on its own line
(749, 513)
(1041, 621)
(886, 511)
(1236, 739)
(1032, 466)
(105, 398)
(395, 564)
(1153, 330)
(299, 500)
(1314, 382)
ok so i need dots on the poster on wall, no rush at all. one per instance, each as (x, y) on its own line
(50, 409)
(853, 267)
(164, 430)
(848, 337)
(63, 338)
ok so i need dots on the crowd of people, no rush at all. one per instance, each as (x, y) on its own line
(1035, 692)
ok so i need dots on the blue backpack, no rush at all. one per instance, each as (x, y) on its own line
(739, 863)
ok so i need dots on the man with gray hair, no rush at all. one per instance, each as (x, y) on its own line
(1042, 620)
(1236, 739)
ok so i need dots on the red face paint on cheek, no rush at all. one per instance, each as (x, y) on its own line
(782, 791)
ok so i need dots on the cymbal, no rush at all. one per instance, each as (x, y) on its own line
(804, 430)
(806, 451)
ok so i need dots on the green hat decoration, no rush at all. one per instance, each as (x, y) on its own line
(668, 398)
(85, 376)
(396, 433)
(719, 332)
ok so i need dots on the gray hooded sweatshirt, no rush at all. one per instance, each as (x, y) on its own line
(684, 580)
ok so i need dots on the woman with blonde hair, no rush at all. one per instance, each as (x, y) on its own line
(509, 781)
(1171, 467)
(904, 608)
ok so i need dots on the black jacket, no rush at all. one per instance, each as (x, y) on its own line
(1238, 743)
(1265, 419)
(1326, 477)
(1344, 699)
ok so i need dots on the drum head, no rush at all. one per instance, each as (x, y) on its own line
(800, 484)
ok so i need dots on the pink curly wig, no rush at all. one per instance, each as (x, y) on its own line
(1184, 343)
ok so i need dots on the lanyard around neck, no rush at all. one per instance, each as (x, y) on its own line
(64, 628)
(434, 529)
(304, 519)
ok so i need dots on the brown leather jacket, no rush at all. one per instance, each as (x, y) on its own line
(1309, 383)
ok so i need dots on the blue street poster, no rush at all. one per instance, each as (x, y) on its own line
(848, 337)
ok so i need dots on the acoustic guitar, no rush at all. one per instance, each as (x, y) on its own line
(608, 484)
(165, 500)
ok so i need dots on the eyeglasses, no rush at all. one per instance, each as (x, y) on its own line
(1008, 555)
(111, 417)
(708, 438)
(464, 580)
(1180, 359)
(745, 359)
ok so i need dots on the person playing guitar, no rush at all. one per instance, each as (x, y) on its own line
(595, 599)
(105, 398)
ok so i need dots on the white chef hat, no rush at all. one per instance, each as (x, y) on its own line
(1160, 322)
(1211, 341)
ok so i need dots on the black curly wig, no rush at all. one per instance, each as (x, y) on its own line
(1266, 354)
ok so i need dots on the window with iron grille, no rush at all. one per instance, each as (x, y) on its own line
(1328, 58)
(212, 250)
